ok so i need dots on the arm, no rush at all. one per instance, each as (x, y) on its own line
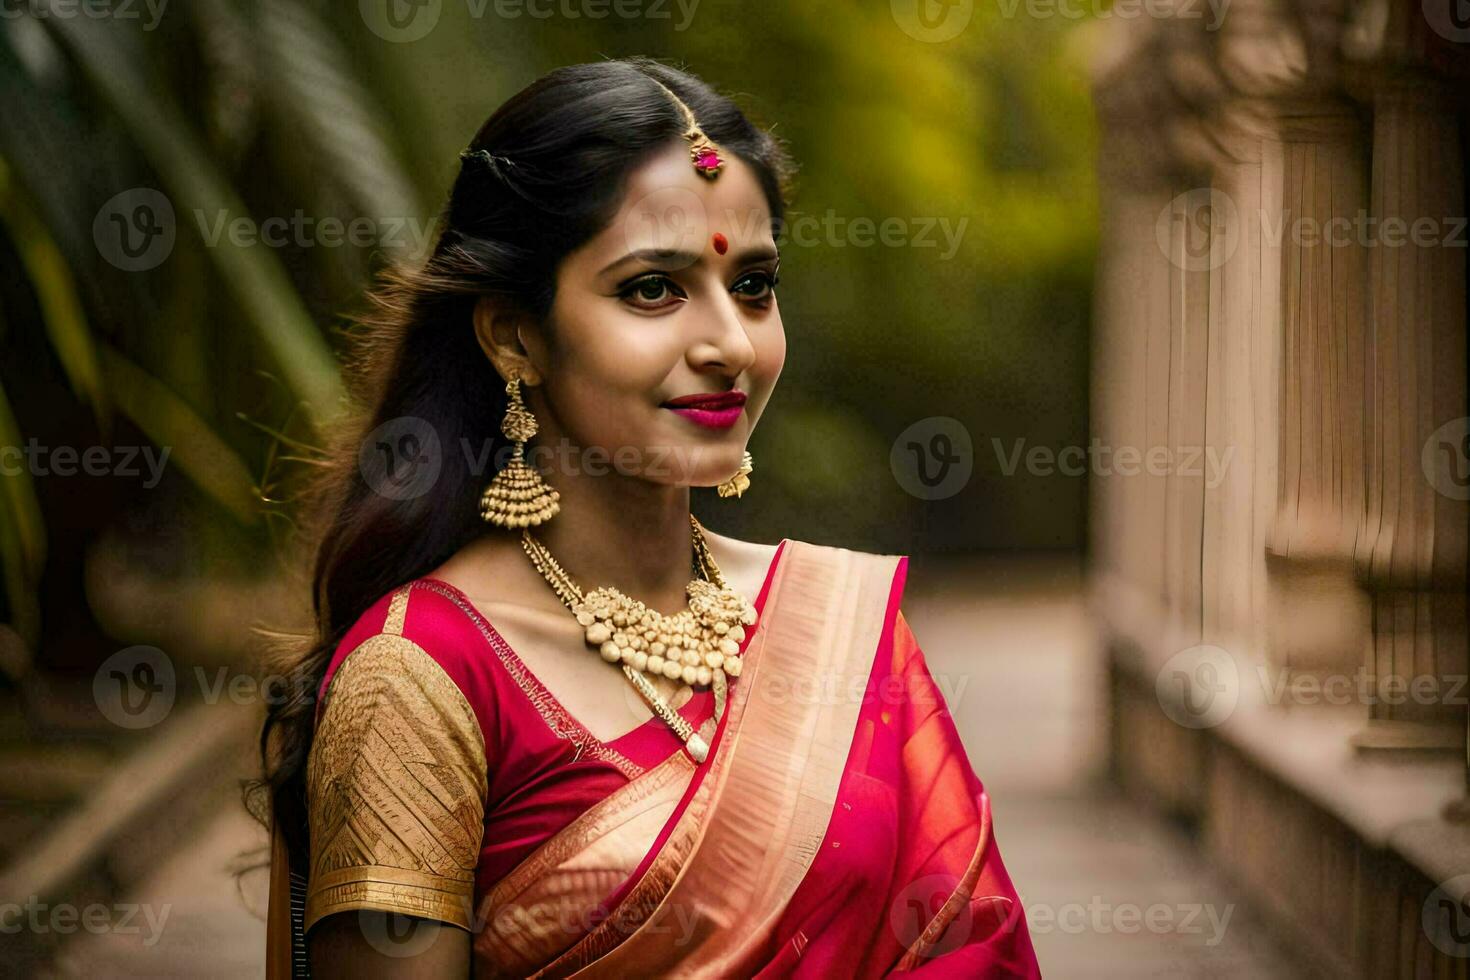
(385, 944)
(396, 787)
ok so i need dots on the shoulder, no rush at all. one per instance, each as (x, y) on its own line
(396, 775)
(748, 564)
(744, 564)
(419, 645)
(738, 551)
(763, 554)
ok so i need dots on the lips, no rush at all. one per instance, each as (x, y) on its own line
(710, 402)
(720, 410)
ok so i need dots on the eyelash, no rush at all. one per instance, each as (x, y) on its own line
(767, 280)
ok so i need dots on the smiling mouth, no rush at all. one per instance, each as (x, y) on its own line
(734, 398)
(712, 411)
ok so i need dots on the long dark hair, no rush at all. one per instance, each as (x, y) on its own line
(557, 157)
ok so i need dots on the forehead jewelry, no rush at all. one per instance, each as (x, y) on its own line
(721, 243)
(704, 154)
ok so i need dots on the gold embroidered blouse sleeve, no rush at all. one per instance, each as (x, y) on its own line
(396, 784)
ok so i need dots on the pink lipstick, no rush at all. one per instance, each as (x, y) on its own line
(718, 410)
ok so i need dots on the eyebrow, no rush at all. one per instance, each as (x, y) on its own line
(657, 257)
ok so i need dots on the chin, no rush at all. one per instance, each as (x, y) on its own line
(710, 474)
(697, 464)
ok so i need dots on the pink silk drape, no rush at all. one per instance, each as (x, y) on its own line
(929, 896)
(906, 880)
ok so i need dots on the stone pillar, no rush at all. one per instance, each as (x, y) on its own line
(1315, 270)
(1412, 549)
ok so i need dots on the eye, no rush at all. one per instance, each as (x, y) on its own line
(652, 292)
(756, 287)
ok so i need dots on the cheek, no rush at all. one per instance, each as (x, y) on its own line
(770, 352)
(609, 351)
(770, 357)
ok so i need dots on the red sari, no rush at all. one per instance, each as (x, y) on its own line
(836, 827)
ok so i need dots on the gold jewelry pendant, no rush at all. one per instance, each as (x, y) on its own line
(517, 497)
(693, 644)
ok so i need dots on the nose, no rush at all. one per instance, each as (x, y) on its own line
(723, 342)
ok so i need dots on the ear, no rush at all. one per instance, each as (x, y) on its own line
(499, 332)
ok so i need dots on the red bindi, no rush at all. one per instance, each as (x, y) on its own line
(722, 244)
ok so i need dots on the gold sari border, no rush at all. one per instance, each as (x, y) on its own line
(573, 869)
(591, 823)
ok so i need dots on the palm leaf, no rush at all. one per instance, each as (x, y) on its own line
(196, 187)
(311, 80)
(168, 420)
(61, 308)
(42, 126)
(22, 538)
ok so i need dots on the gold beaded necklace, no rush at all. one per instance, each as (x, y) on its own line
(700, 644)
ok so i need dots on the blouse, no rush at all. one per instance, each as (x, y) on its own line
(441, 762)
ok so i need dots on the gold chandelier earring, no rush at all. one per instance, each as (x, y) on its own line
(517, 497)
(740, 482)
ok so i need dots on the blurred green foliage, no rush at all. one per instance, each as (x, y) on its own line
(233, 109)
(992, 129)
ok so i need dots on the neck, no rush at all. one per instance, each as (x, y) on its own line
(625, 532)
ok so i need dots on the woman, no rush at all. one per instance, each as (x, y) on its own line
(781, 792)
